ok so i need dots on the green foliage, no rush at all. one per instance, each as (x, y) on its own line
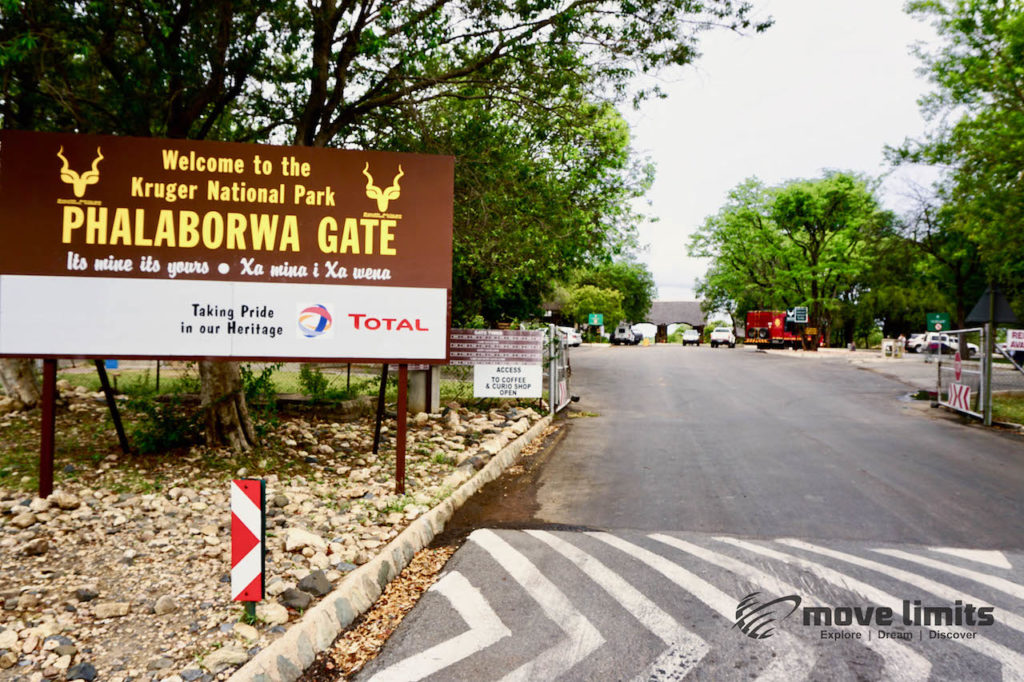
(161, 426)
(589, 299)
(977, 108)
(314, 383)
(633, 280)
(807, 242)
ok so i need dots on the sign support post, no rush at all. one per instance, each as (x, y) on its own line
(115, 413)
(47, 427)
(403, 394)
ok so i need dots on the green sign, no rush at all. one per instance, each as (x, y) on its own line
(938, 322)
(596, 319)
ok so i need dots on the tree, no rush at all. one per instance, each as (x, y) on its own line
(807, 242)
(589, 299)
(978, 110)
(145, 69)
(633, 280)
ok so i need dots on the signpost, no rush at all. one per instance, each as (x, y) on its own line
(248, 541)
(507, 363)
(938, 322)
(181, 249)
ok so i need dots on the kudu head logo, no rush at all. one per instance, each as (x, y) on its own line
(383, 196)
(79, 182)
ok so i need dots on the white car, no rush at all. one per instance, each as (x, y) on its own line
(949, 343)
(570, 336)
(723, 336)
(691, 336)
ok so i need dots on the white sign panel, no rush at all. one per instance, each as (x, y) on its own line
(507, 381)
(1014, 339)
(110, 317)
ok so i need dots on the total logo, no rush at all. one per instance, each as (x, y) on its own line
(315, 321)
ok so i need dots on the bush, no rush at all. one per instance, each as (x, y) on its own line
(313, 382)
(163, 425)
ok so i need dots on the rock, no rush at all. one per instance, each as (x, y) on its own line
(23, 520)
(191, 674)
(420, 419)
(111, 610)
(296, 599)
(36, 547)
(246, 632)
(316, 583)
(65, 501)
(38, 504)
(297, 538)
(28, 600)
(160, 663)
(224, 658)
(86, 593)
(319, 560)
(492, 446)
(272, 613)
(63, 663)
(278, 587)
(165, 605)
(522, 426)
(8, 638)
(82, 671)
(8, 660)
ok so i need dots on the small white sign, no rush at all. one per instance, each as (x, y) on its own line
(1015, 339)
(507, 381)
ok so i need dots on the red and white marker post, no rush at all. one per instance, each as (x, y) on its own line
(248, 541)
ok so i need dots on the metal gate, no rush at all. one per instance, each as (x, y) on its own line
(961, 382)
(556, 355)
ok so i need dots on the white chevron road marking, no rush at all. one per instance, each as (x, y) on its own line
(485, 628)
(685, 649)
(794, 658)
(942, 590)
(900, 661)
(991, 557)
(1012, 662)
(583, 637)
(995, 582)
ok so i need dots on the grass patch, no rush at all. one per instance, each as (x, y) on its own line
(1008, 408)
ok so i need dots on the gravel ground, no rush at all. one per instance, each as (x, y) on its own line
(118, 577)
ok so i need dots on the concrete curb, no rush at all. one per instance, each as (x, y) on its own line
(285, 659)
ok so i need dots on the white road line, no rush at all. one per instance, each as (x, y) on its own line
(991, 557)
(901, 662)
(685, 649)
(794, 658)
(947, 592)
(583, 637)
(995, 582)
(1012, 662)
(485, 628)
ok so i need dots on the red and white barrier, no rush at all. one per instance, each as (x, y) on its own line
(248, 539)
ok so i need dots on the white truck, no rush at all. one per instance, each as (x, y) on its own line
(723, 336)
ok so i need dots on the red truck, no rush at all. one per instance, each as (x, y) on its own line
(768, 328)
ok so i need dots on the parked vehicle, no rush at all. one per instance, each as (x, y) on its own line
(624, 334)
(570, 336)
(691, 337)
(723, 336)
(948, 343)
(769, 328)
(914, 343)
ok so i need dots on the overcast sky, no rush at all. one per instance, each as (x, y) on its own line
(828, 86)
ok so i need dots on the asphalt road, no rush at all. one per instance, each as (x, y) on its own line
(734, 515)
(761, 444)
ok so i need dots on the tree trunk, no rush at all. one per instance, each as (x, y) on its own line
(19, 380)
(223, 402)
